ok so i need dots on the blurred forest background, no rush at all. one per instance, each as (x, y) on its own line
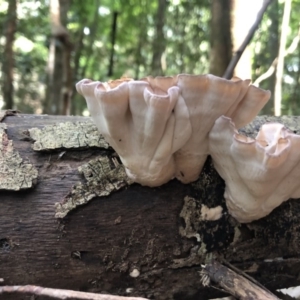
(47, 46)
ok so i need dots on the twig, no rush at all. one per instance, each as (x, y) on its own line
(235, 59)
(60, 294)
(235, 284)
(242, 273)
(272, 68)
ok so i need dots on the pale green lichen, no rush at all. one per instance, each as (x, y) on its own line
(68, 135)
(290, 122)
(15, 174)
(103, 176)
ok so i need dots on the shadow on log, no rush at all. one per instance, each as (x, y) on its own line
(133, 242)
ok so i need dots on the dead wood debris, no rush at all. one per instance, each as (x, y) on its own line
(190, 215)
(235, 284)
(68, 135)
(15, 174)
(61, 294)
(103, 176)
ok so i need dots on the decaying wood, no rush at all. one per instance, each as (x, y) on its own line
(136, 230)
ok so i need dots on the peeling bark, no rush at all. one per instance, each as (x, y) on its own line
(80, 135)
(103, 177)
(15, 173)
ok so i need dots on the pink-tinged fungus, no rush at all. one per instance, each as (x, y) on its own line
(259, 173)
(143, 124)
(208, 97)
(159, 126)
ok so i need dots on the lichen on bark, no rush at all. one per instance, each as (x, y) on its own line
(68, 135)
(103, 176)
(100, 175)
(290, 122)
(15, 174)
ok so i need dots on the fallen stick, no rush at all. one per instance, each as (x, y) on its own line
(236, 285)
(60, 294)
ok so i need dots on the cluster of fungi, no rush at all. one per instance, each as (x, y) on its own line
(165, 127)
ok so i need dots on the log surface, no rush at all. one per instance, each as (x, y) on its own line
(97, 246)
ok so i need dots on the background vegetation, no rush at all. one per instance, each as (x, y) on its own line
(47, 46)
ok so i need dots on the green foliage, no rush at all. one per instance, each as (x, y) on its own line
(186, 34)
(265, 45)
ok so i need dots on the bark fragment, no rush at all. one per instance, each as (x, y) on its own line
(68, 135)
(15, 174)
(103, 176)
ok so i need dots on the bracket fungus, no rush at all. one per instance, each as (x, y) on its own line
(208, 97)
(144, 125)
(259, 173)
(159, 126)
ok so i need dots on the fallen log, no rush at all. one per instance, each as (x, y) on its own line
(133, 241)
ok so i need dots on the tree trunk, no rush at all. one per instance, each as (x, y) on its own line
(295, 96)
(67, 76)
(113, 42)
(142, 40)
(59, 88)
(95, 31)
(221, 42)
(281, 54)
(151, 231)
(159, 43)
(8, 60)
(273, 46)
(79, 48)
(82, 49)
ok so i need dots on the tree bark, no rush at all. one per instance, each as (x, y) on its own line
(8, 61)
(221, 42)
(96, 247)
